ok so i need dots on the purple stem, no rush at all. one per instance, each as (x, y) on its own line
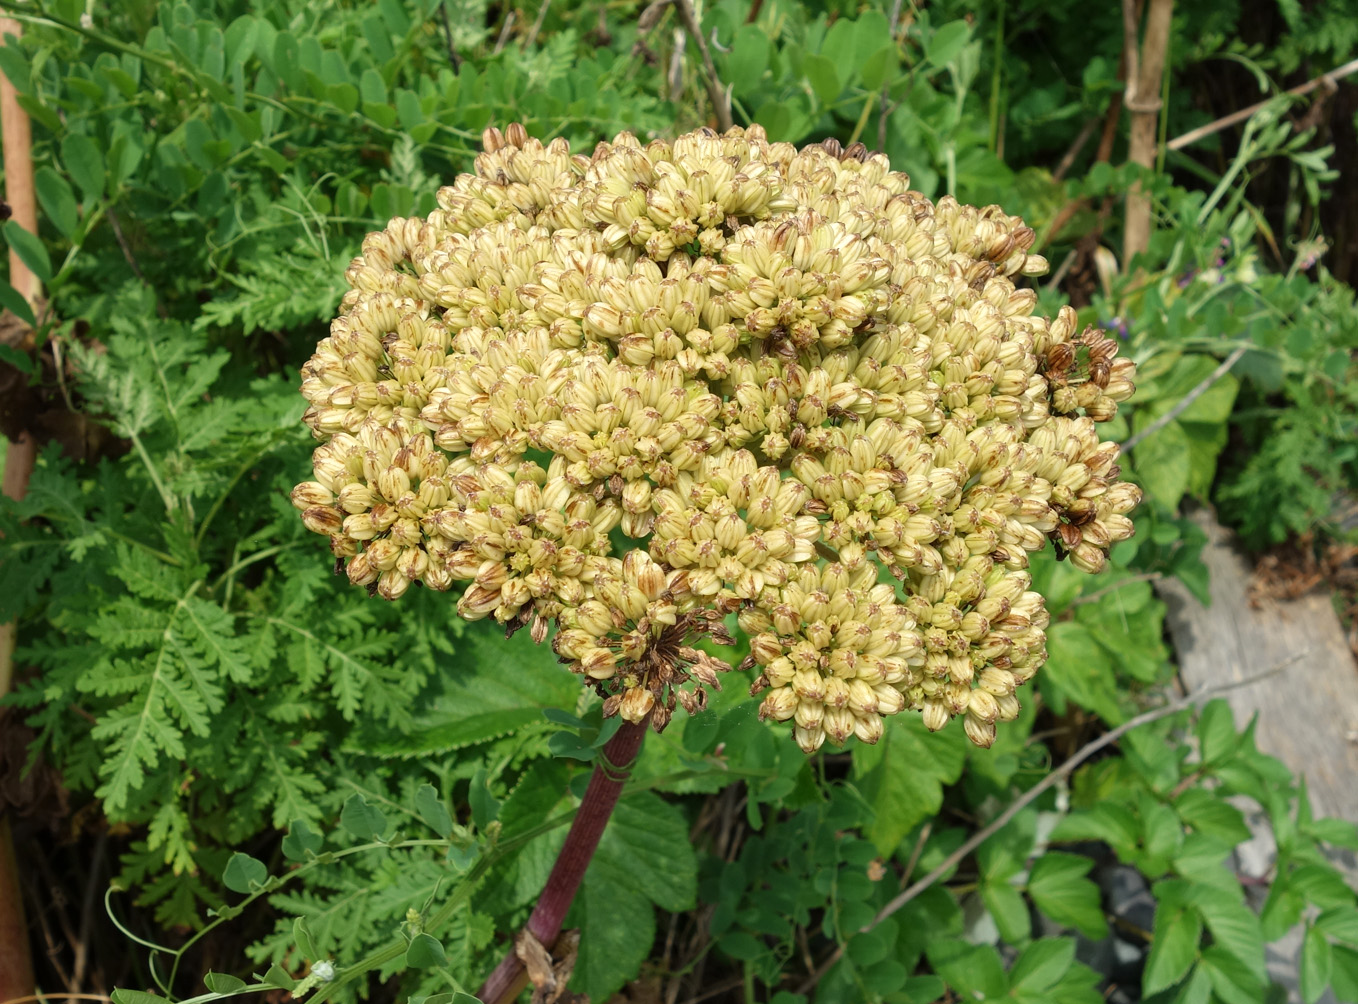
(605, 785)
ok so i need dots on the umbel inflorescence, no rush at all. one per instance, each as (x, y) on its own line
(633, 393)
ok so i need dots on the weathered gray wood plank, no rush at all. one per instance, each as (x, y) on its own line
(1308, 713)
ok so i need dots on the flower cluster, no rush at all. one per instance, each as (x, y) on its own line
(621, 398)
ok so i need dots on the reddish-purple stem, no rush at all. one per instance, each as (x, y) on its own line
(605, 785)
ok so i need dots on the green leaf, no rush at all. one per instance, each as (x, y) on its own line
(433, 811)
(1208, 813)
(1231, 979)
(1060, 890)
(425, 952)
(1316, 965)
(223, 983)
(1008, 908)
(277, 976)
(644, 860)
(1174, 947)
(501, 686)
(1042, 964)
(821, 74)
(1082, 669)
(243, 872)
(1162, 463)
(361, 819)
(136, 997)
(1234, 927)
(58, 201)
(301, 841)
(17, 305)
(484, 805)
(306, 944)
(84, 163)
(1344, 973)
(974, 971)
(902, 776)
(1341, 922)
(748, 60)
(29, 249)
(947, 42)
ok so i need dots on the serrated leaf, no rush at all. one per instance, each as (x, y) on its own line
(1009, 910)
(242, 872)
(425, 952)
(1174, 947)
(1316, 965)
(972, 970)
(644, 860)
(432, 810)
(1042, 964)
(902, 776)
(364, 821)
(1060, 890)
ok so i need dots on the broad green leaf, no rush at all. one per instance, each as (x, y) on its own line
(1081, 669)
(1174, 947)
(432, 810)
(301, 841)
(223, 983)
(361, 819)
(1009, 910)
(301, 934)
(748, 60)
(1340, 923)
(644, 860)
(277, 976)
(1042, 964)
(242, 872)
(84, 163)
(58, 201)
(16, 304)
(498, 686)
(1344, 972)
(1060, 890)
(1209, 813)
(1162, 463)
(821, 74)
(1234, 927)
(136, 997)
(425, 952)
(972, 970)
(902, 776)
(29, 249)
(1316, 965)
(946, 43)
(1232, 980)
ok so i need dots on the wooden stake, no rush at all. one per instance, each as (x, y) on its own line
(1145, 67)
(16, 960)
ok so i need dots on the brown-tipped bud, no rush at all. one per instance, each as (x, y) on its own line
(982, 733)
(323, 519)
(310, 494)
(636, 704)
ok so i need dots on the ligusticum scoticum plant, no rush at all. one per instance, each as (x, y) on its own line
(629, 394)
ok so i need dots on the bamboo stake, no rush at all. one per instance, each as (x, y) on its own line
(1145, 67)
(16, 961)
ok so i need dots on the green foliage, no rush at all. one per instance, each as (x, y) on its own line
(387, 787)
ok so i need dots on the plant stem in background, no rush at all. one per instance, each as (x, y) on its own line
(1145, 65)
(16, 965)
(605, 785)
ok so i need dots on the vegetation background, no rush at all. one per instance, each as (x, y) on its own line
(191, 682)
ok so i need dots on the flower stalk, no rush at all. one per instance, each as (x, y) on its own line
(605, 786)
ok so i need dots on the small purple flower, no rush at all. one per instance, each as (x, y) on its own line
(1187, 278)
(1117, 326)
